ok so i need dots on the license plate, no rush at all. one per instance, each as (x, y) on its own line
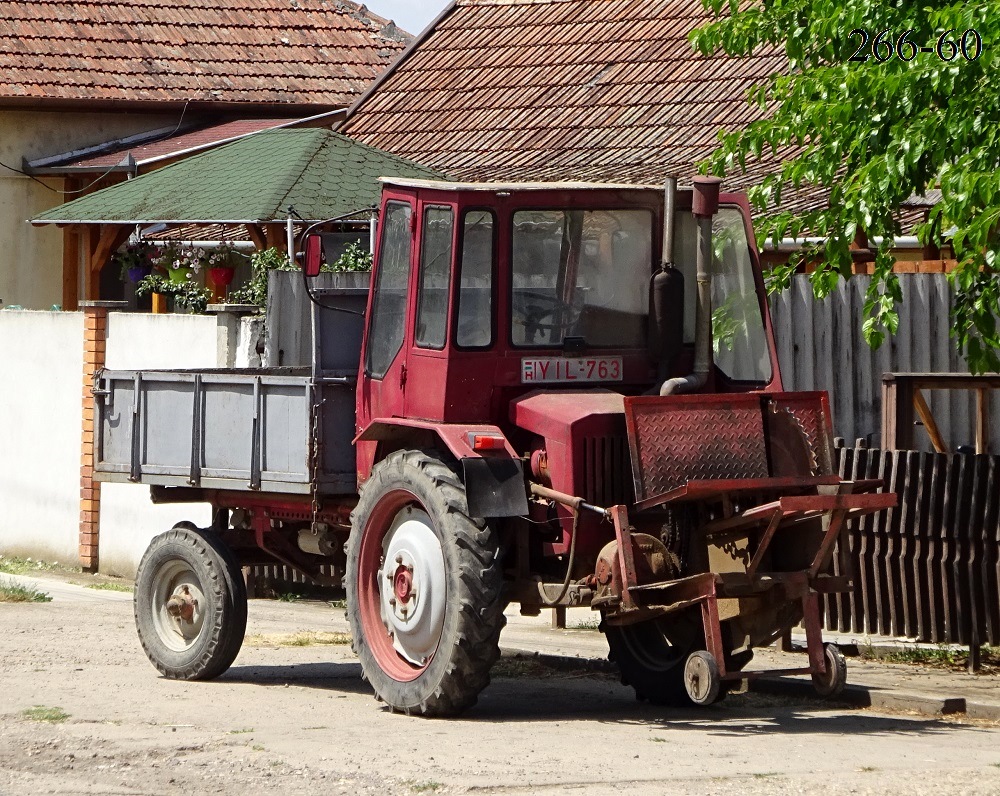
(559, 369)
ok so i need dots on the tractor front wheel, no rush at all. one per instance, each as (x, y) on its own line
(423, 588)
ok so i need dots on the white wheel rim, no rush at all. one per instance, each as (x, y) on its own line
(412, 586)
(697, 677)
(176, 581)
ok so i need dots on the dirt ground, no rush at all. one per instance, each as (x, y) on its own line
(295, 716)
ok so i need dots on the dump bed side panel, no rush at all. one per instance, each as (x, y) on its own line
(215, 429)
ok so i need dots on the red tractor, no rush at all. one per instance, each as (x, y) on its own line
(568, 395)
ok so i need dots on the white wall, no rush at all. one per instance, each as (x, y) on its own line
(41, 359)
(142, 341)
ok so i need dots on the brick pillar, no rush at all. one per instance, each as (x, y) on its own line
(95, 331)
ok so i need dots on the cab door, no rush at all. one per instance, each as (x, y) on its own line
(383, 377)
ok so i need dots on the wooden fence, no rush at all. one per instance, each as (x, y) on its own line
(820, 347)
(930, 568)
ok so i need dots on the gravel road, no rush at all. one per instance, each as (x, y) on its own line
(296, 716)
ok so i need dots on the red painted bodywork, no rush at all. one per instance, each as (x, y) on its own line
(455, 387)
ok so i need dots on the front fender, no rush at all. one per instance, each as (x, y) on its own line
(494, 480)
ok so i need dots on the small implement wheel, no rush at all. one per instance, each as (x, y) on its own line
(190, 604)
(701, 678)
(650, 657)
(423, 588)
(831, 683)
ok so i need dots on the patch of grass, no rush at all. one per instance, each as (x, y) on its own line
(868, 769)
(942, 656)
(766, 775)
(241, 732)
(257, 747)
(42, 713)
(112, 586)
(586, 624)
(15, 565)
(425, 787)
(337, 604)
(658, 739)
(16, 593)
(289, 597)
(306, 639)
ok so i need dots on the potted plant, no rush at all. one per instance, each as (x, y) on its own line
(220, 264)
(135, 260)
(180, 263)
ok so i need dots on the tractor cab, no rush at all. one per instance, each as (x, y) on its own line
(482, 293)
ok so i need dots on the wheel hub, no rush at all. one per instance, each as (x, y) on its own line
(412, 586)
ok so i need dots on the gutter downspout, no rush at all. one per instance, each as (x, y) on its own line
(704, 206)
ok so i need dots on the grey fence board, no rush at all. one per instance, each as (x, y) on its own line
(928, 569)
(820, 347)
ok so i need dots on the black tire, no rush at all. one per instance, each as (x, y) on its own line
(831, 684)
(195, 566)
(651, 657)
(411, 528)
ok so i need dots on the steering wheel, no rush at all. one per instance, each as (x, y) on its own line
(535, 307)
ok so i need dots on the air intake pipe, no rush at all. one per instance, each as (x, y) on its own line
(704, 206)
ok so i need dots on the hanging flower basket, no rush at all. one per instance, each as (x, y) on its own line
(179, 275)
(221, 275)
(138, 272)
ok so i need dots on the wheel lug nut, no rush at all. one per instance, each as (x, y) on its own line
(392, 601)
(399, 558)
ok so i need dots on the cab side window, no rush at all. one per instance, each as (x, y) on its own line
(385, 333)
(475, 297)
(435, 277)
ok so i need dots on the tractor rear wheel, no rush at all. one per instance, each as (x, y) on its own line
(423, 588)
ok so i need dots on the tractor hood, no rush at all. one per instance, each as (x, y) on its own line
(554, 415)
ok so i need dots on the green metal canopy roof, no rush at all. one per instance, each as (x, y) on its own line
(319, 173)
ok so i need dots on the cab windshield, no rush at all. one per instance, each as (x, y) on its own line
(581, 275)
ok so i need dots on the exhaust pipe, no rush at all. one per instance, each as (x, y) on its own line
(704, 206)
(666, 297)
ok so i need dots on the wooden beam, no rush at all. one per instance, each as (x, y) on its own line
(257, 236)
(103, 245)
(930, 424)
(982, 421)
(71, 270)
(275, 236)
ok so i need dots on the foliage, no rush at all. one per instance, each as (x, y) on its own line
(43, 713)
(136, 254)
(873, 133)
(355, 258)
(11, 592)
(188, 294)
(175, 257)
(261, 263)
(20, 566)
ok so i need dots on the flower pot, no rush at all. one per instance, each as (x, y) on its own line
(178, 275)
(138, 272)
(221, 275)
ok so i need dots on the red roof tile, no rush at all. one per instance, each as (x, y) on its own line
(322, 52)
(605, 90)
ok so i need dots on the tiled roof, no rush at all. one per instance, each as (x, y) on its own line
(606, 90)
(318, 172)
(322, 52)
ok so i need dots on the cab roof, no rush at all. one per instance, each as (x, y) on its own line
(495, 187)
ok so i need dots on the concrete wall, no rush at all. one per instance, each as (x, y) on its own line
(128, 519)
(31, 257)
(41, 359)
